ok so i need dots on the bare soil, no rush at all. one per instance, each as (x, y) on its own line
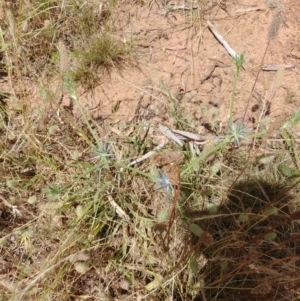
(179, 59)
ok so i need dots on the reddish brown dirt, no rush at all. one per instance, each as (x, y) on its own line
(176, 54)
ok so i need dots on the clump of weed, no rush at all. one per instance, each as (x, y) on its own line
(101, 54)
(36, 35)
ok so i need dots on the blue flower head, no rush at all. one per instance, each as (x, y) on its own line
(102, 155)
(102, 152)
(238, 132)
(163, 182)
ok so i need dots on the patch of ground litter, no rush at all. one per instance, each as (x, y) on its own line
(182, 78)
(184, 72)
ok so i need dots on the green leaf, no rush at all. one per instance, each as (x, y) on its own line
(196, 230)
(292, 121)
(243, 218)
(216, 168)
(289, 172)
(270, 236)
(270, 211)
(79, 211)
(13, 184)
(81, 267)
(266, 160)
(156, 283)
(194, 265)
(224, 265)
(163, 215)
(212, 208)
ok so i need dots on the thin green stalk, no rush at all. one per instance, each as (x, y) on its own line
(232, 98)
(203, 156)
(70, 87)
(239, 61)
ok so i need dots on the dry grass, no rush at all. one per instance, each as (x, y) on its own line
(77, 222)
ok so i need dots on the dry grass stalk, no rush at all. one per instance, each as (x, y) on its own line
(25, 27)
(277, 19)
(278, 81)
(2, 12)
(63, 57)
(11, 23)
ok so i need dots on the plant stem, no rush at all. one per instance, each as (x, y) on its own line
(238, 62)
